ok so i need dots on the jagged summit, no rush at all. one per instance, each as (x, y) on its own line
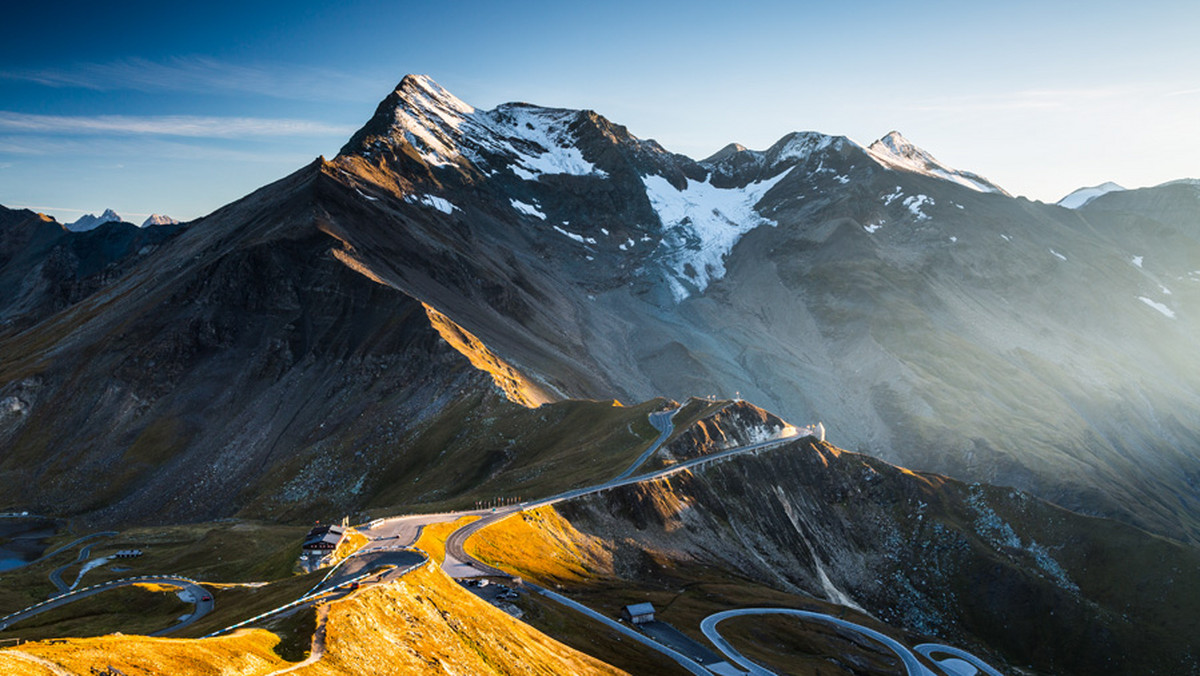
(423, 120)
(91, 221)
(893, 151)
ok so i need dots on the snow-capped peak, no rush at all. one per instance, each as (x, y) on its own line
(794, 148)
(158, 219)
(896, 152)
(92, 221)
(1082, 196)
(444, 130)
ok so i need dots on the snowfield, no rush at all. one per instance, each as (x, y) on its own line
(702, 224)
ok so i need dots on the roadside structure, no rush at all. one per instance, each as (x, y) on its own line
(319, 545)
(638, 613)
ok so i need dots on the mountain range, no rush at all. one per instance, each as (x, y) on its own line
(922, 313)
(433, 315)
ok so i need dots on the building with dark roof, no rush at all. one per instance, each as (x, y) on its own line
(638, 613)
(323, 539)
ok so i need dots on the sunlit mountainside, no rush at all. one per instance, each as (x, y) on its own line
(468, 312)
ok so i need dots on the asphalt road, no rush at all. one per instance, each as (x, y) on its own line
(952, 665)
(912, 665)
(661, 422)
(683, 660)
(85, 538)
(454, 543)
(56, 574)
(367, 560)
(195, 592)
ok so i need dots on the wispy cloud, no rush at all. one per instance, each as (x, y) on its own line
(158, 149)
(199, 74)
(1032, 100)
(166, 125)
(1184, 92)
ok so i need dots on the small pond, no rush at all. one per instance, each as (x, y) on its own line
(23, 540)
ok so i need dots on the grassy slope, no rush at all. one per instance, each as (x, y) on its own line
(481, 448)
(425, 622)
(428, 623)
(433, 537)
(246, 653)
(543, 547)
(138, 609)
(208, 552)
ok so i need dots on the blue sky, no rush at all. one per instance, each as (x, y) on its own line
(180, 108)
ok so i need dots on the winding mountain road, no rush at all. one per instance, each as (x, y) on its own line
(194, 591)
(388, 550)
(662, 421)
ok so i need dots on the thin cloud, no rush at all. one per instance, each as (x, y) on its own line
(166, 125)
(199, 74)
(155, 148)
(1040, 99)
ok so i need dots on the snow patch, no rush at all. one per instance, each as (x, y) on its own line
(1082, 196)
(1058, 255)
(578, 238)
(891, 197)
(871, 228)
(1137, 261)
(1166, 311)
(1006, 238)
(915, 203)
(527, 209)
(702, 223)
(432, 201)
(365, 195)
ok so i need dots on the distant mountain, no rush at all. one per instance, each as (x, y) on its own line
(47, 268)
(91, 221)
(158, 219)
(1082, 196)
(921, 312)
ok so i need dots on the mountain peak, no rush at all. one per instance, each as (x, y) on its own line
(158, 219)
(424, 121)
(424, 92)
(893, 151)
(1082, 196)
(895, 142)
(91, 221)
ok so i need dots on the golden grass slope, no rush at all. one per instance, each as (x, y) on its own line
(433, 537)
(541, 545)
(514, 384)
(423, 624)
(245, 653)
(427, 624)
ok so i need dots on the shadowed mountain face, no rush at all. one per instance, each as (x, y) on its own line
(919, 311)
